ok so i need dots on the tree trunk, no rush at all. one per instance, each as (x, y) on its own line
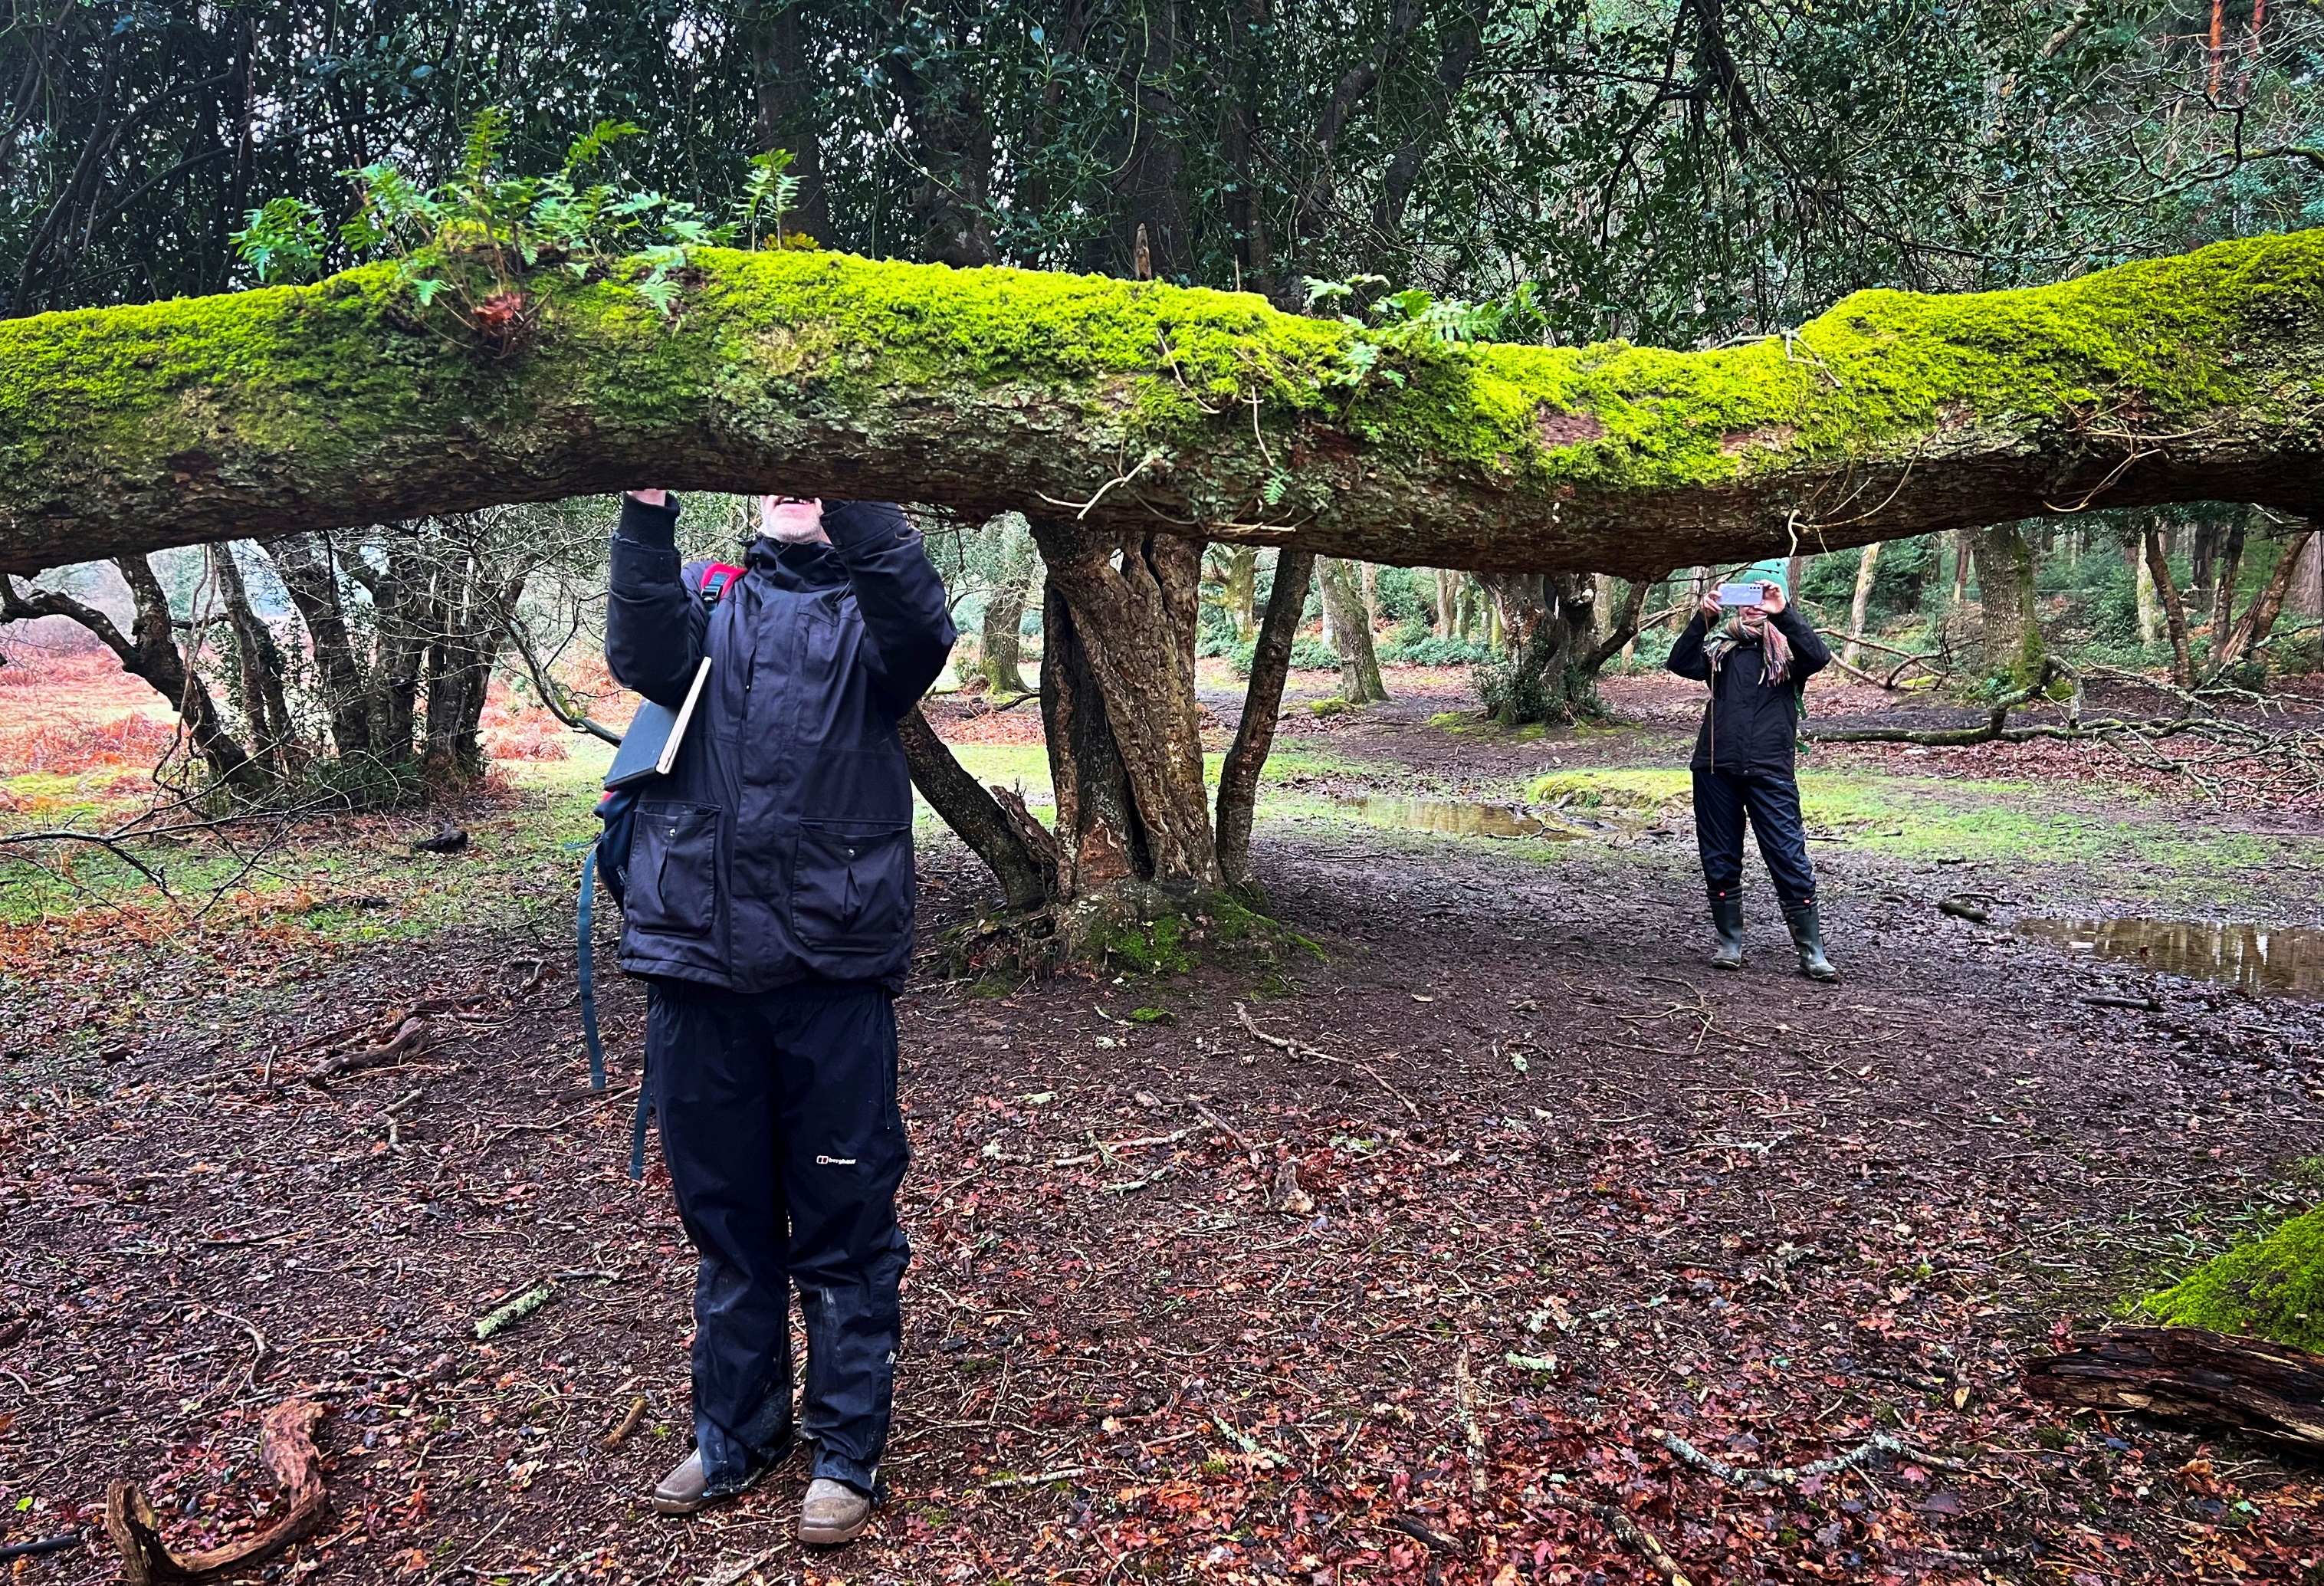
(2175, 610)
(260, 671)
(784, 84)
(2305, 594)
(1963, 538)
(1550, 673)
(2150, 614)
(2223, 587)
(149, 653)
(1022, 855)
(1448, 604)
(1238, 585)
(1001, 643)
(2005, 581)
(2259, 621)
(1351, 633)
(1857, 607)
(295, 410)
(1125, 732)
(305, 565)
(1270, 665)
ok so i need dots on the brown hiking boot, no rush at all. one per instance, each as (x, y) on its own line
(834, 1513)
(685, 1490)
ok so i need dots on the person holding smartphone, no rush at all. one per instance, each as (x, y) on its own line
(1758, 657)
(768, 908)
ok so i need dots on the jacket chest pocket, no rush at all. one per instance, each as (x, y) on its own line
(673, 879)
(851, 885)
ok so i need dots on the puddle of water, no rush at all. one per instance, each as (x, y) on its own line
(1449, 818)
(2287, 960)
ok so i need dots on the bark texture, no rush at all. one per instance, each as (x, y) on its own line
(2262, 1389)
(294, 410)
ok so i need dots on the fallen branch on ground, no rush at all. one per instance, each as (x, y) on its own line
(1792, 1475)
(413, 1036)
(287, 1443)
(629, 1423)
(1625, 1529)
(2268, 1390)
(1301, 1049)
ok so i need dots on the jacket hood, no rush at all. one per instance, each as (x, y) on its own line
(795, 567)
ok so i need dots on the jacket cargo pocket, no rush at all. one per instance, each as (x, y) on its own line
(851, 885)
(674, 869)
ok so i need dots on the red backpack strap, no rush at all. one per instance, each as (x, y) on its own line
(716, 579)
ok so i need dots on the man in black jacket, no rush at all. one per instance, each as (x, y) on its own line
(1757, 663)
(769, 907)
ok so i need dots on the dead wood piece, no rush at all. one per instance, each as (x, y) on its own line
(1962, 906)
(2140, 1004)
(629, 1423)
(412, 1037)
(2250, 1385)
(287, 1442)
(1627, 1529)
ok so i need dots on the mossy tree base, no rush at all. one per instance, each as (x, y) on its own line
(1133, 930)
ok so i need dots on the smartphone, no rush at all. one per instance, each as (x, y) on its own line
(1741, 595)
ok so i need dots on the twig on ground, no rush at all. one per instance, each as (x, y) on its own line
(1464, 1399)
(1792, 1475)
(1040, 1479)
(1625, 1529)
(1301, 1049)
(735, 1574)
(515, 1311)
(629, 1423)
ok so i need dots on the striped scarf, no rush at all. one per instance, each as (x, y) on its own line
(1775, 665)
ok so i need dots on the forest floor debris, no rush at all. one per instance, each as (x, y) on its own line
(1561, 1202)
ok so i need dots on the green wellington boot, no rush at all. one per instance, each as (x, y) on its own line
(1726, 917)
(1807, 935)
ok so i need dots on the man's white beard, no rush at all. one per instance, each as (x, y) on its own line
(788, 533)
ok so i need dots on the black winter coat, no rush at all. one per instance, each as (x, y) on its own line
(779, 849)
(1748, 729)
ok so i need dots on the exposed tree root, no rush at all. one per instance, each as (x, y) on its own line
(288, 1445)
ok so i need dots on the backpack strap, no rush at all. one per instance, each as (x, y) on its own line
(718, 578)
(586, 955)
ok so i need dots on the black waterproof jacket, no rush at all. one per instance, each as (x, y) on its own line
(779, 849)
(1748, 729)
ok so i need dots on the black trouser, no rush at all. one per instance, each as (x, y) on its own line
(779, 1124)
(1721, 799)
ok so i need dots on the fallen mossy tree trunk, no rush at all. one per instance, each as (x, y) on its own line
(1136, 406)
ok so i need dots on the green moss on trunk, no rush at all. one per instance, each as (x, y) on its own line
(265, 412)
(2270, 1287)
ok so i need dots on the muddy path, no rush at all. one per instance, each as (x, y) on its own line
(1529, 1192)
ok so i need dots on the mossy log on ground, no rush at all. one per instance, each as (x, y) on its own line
(1149, 406)
(2270, 1287)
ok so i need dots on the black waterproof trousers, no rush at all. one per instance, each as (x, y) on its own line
(1721, 799)
(779, 1124)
